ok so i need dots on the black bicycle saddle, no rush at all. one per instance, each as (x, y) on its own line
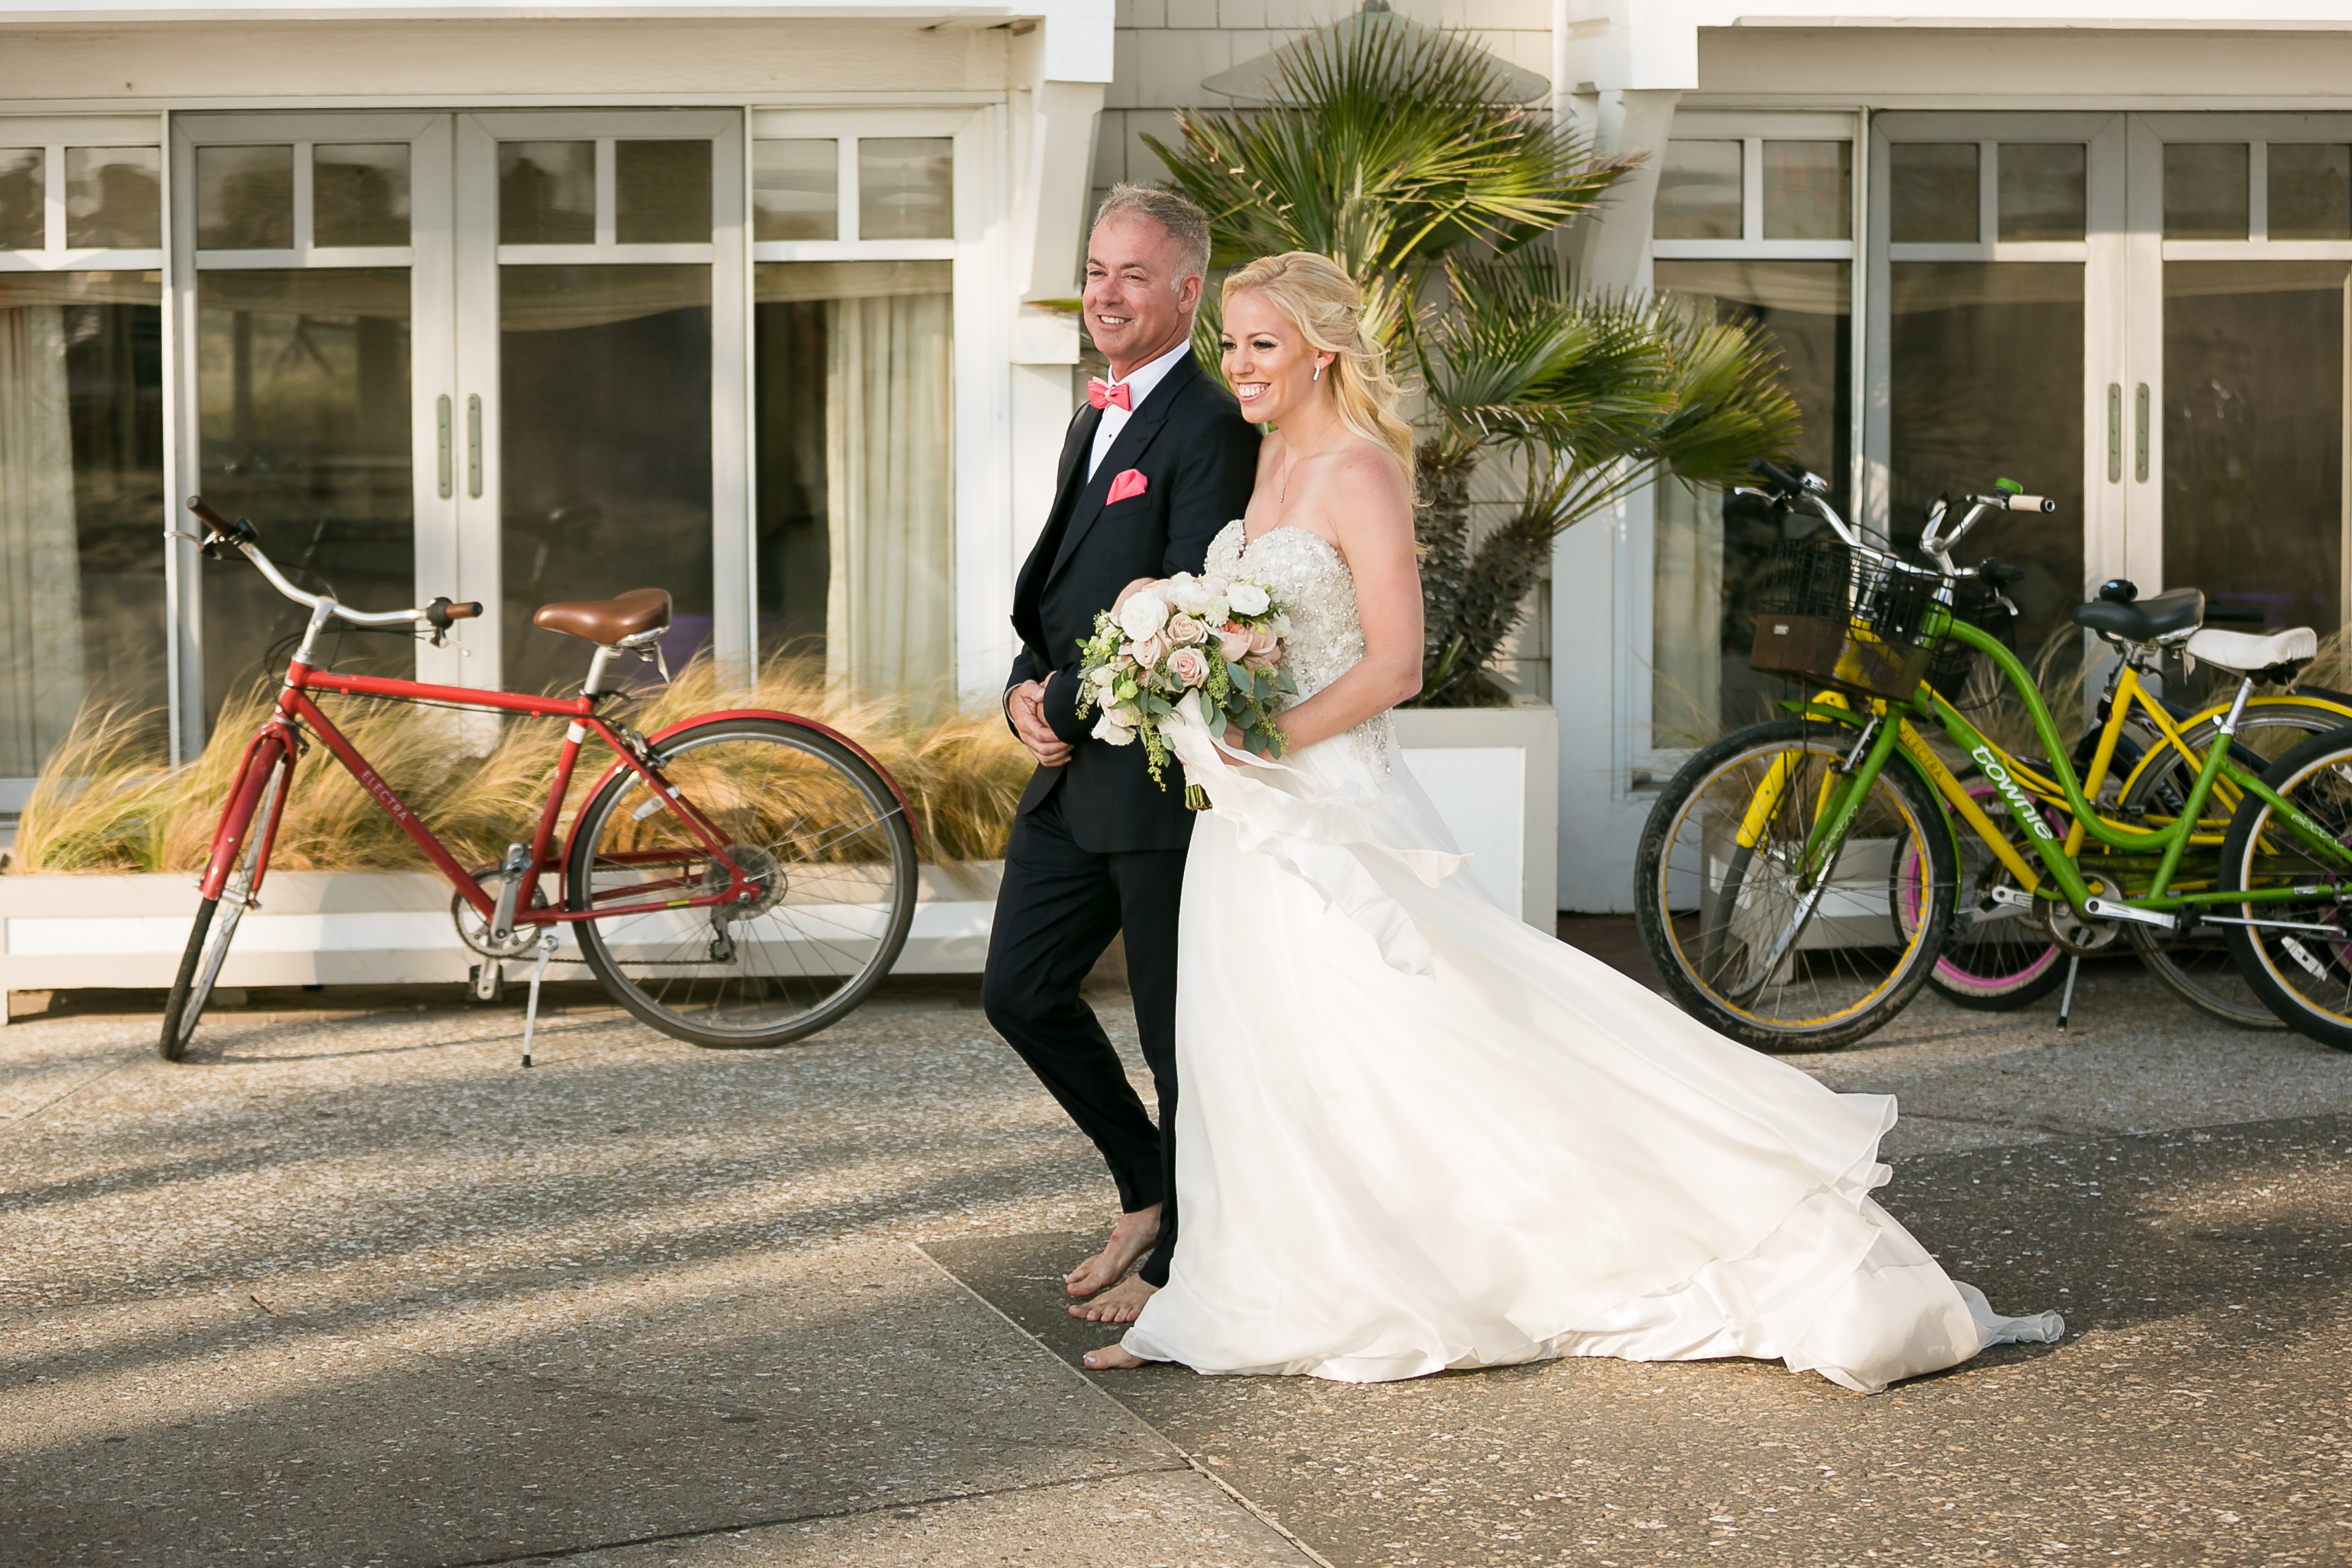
(2144, 620)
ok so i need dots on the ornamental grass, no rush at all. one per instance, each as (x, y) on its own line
(109, 801)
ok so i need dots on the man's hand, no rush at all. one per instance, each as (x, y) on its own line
(1026, 704)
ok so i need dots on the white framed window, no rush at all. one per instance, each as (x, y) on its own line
(82, 372)
(879, 490)
(1755, 220)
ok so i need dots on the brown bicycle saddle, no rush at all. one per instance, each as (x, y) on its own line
(608, 620)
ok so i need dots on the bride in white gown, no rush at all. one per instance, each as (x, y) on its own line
(1416, 1133)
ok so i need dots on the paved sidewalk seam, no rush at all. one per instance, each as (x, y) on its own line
(128, 1057)
(900, 1505)
(1252, 1508)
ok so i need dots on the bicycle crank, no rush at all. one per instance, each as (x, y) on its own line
(2079, 936)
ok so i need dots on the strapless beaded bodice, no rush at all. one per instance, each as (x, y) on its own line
(1310, 580)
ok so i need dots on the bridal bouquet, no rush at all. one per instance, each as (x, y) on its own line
(1211, 641)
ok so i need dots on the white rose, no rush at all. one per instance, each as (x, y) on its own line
(1186, 594)
(1248, 599)
(1102, 675)
(1217, 611)
(1142, 616)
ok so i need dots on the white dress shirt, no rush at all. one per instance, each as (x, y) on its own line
(1139, 383)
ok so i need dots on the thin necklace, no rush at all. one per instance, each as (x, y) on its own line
(1282, 492)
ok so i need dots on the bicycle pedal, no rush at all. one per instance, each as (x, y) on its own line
(488, 981)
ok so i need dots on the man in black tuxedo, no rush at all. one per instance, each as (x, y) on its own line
(1097, 847)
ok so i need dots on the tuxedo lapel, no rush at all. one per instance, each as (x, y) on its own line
(1132, 440)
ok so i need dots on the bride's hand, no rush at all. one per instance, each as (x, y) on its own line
(1233, 739)
(1125, 592)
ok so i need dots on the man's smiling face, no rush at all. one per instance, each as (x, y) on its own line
(1135, 311)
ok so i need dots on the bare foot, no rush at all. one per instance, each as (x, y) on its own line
(1122, 1303)
(1130, 1238)
(1111, 1358)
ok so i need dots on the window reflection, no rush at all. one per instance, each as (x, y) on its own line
(359, 195)
(81, 443)
(2310, 189)
(661, 193)
(796, 189)
(1710, 547)
(1987, 383)
(1808, 190)
(2253, 434)
(547, 193)
(114, 198)
(302, 391)
(245, 198)
(24, 209)
(1699, 191)
(2205, 188)
(604, 452)
(2043, 193)
(1934, 189)
(906, 187)
(856, 486)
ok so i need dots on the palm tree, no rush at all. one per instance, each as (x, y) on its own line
(1388, 149)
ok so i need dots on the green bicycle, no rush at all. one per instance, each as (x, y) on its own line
(1799, 882)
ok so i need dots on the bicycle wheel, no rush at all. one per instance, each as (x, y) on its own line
(2199, 966)
(2305, 976)
(1998, 958)
(813, 823)
(1747, 947)
(216, 919)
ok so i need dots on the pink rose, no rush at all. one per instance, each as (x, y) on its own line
(1215, 585)
(1150, 651)
(1235, 642)
(1189, 665)
(1263, 641)
(1184, 630)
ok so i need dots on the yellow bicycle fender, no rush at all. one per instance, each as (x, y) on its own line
(1776, 783)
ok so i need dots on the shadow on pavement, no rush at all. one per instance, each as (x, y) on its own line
(2203, 1276)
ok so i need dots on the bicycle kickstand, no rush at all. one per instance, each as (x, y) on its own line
(530, 1009)
(2066, 1001)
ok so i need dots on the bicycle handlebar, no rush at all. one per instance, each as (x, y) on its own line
(240, 534)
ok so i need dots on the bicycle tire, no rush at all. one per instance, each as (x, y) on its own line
(795, 967)
(2202, 968)
(1818, 996)
(1990, 975)
(2306, 981)
(209, 936)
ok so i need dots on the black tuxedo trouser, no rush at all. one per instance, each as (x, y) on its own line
(1056, 912)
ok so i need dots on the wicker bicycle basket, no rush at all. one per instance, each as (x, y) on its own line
(1829, 614)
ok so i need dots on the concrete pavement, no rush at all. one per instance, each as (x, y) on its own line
(356, 1288)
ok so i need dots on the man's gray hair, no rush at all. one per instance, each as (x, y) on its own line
(1172, 211)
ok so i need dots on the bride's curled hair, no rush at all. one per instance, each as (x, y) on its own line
(1313, 294)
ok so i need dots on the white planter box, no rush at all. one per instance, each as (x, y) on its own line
(1494, 775)
(351, 927)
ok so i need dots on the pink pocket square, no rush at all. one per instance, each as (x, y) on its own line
(1131, 482)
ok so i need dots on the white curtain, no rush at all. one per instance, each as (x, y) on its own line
(40, 567)
(890, 461)
(1687, 617)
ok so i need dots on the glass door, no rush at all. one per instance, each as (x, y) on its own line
(602, 374)
(2242, 231)
(314, 249)
(1996, 304)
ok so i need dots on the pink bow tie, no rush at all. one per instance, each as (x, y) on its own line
(1103, 395)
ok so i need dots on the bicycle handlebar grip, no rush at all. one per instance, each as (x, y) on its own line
(1780, 475)
(210, 517)
(1998, 574)
(2031, 503)
(442, 611)
(470, 610)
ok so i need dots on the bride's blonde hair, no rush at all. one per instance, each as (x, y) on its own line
(1323, 303)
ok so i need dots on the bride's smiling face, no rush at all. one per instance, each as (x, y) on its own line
(1267, 360)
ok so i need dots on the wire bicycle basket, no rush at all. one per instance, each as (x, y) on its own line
(1833, 614)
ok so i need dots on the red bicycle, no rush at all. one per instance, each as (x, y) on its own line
(741, 879)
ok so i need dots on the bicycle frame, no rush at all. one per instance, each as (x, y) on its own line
(2018, 785)
(298, 713)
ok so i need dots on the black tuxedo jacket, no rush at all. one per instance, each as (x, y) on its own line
(1199, 459)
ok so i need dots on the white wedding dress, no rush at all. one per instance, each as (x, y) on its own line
(1416, 1133)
